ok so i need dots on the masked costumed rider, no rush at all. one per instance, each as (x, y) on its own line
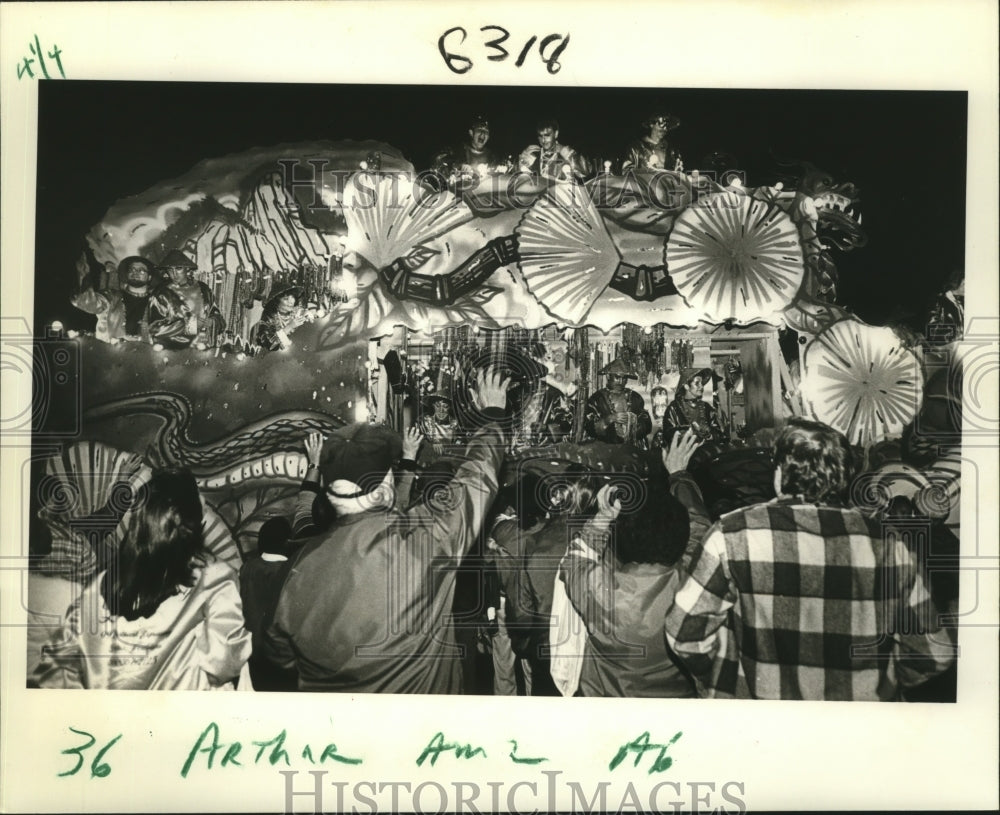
(283, 313)
(122, 313)
(690, 410)
(617, 414)
(183, 313)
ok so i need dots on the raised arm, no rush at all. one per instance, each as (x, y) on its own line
(412, 439)
(685, 489)
(587, 569)
(455, 520)
(303, 524)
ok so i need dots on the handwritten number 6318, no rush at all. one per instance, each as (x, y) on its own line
(98, 769)
(549, 49)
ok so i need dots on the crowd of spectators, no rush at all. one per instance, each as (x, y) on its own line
(593, 581)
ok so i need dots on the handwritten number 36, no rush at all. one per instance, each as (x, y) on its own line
(98, 769)
(548, 50)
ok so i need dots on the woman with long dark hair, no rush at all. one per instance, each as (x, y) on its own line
(163, 614)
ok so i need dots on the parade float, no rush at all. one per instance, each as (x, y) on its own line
(394, 288)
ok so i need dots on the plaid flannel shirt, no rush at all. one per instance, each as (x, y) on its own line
(785, 600)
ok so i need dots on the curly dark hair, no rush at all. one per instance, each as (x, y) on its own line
(816, 461)
(573, 492)
(162, 549)
(657, 529)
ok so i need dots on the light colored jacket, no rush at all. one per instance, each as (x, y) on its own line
(195, 640)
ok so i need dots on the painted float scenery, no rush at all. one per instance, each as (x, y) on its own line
(234, 268)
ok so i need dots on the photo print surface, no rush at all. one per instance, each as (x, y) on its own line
(647, 268)
(563, 288)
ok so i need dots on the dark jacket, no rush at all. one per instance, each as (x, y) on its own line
(366, 607)
(623, 607)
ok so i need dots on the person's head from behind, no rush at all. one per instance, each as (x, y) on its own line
(356, 465)
(272, 539)
(653, 526)
(573, 492)
(162, 549)
(812, 460)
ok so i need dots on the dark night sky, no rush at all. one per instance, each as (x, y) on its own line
(906, 152)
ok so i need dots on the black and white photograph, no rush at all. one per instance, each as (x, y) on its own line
(659, 306)
(628, 389)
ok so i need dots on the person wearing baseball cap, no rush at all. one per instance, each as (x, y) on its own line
(366, 607)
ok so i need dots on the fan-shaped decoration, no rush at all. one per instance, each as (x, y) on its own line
(87, 477)
(862, 381)
(219, 540)
(567, 255)
(81, 480)
(385, 221)
(734, 257)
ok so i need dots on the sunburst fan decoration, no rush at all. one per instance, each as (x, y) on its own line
(385, 221)
(82, 479)
(568, 258)
(734, 257)
(862, 381)
(88, 476)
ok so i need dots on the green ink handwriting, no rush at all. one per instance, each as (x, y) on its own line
(518, 760)
(98, 768)
(272, 751)
(24, 67)
(438, 745)
(640, 747)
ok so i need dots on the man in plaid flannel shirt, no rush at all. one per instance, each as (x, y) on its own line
(803, 598)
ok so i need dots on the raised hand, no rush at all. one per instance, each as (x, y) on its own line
(682, 447)
(412, 438)
(314, 447)
(490, 389)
